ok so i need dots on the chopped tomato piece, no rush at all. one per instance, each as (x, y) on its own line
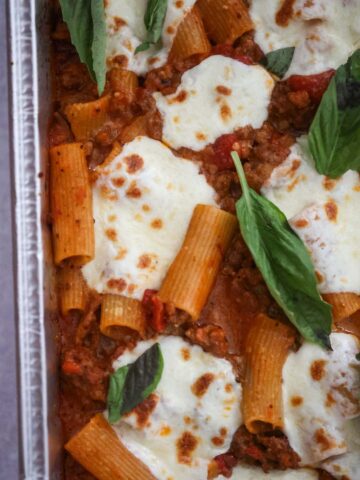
(155, 310)
(314, 85)
(69, 367)
(223, 147)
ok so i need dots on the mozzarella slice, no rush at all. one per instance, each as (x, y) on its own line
(324, 213)
(320, 391)
(324, 32)
(347, 466)
(126, 31)
(195, 414)
(143, 201)
(245, 472)
(216, 97)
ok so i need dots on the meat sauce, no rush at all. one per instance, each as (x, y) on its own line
(239, 293)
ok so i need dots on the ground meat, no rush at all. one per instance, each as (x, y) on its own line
(326, 476)
(268, 450)
(210, 337)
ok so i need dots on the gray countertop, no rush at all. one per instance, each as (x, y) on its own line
(8, 392)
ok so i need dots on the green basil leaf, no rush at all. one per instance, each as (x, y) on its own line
(154, 22)
(284, 262)
(335, 131)
(133, 383)
(279, 61)
(86, 22)
(115, 393)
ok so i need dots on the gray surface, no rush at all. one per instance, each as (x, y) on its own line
(8, 394)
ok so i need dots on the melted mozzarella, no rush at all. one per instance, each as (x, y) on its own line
(347, 465)
(245, 472)
(216, 97)
(143, 201)
(320, 391)
(324, 32)
(324, 213)
(126, 31)
(209, 415)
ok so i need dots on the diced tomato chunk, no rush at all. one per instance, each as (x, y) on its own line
(223, 147)
(155, 310)
(314, 85)
(69, 367)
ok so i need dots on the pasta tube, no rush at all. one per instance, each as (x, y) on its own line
(71, 204)
(120, 314)
(192, 274)
(266, 349)
(97, 448)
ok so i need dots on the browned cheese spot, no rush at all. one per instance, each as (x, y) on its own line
(157, 223)
(301, 223)
(223, 90)
(111, 234)
(317, 369)
(323, 440)
(331, 210)
(185, 353)
(133, 191)
(199, 388)
(133, 163)
(118, 181)
(145, 409)
(118, 284)
(144, 261)
(186, 445)
(285, 13)
(296, 401)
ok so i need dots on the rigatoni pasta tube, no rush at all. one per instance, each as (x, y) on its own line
(344, 304)
(120, 314)
(266, 349)
(87, 118)
(72, 289)
(192, 274)
(97, 448)
(190, 38)
(124, 82)
(136, 128)
(225, 20)
(71, 204)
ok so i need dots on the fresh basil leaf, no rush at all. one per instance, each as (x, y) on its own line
(154, 22)
(335, 131)
(86, 22)
(133, 383)
(279, 61)
(283, 261)
(115, 393)
(357, 356)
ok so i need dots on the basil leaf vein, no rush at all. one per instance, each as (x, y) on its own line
(283, 261)
(335, 131)
(154, 22)
(133, 383)
(86, 22)
(278, 61)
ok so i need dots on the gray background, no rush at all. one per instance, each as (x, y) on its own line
(8, 393)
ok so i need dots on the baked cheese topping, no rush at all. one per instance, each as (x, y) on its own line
(245, 472)
(346, 465)
(214, 98)
(324, 32)
(126, 31)
(143, 201)
(324, 213)
(321, 390)
(194, 412)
